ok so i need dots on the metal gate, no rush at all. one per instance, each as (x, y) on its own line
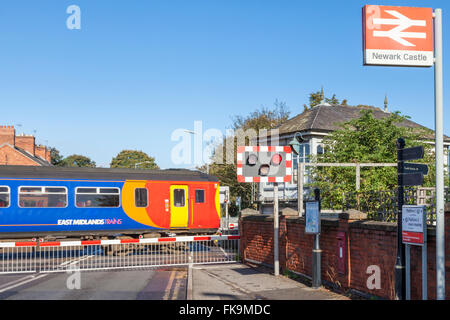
(60, 256)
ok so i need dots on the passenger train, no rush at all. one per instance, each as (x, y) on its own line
(55, 201)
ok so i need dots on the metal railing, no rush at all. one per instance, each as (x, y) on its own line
(382, 205)
(47, 257)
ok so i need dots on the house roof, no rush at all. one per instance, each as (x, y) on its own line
(38, 160)
(326, 118)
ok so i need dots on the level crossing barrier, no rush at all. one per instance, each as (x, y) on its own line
(61, 256)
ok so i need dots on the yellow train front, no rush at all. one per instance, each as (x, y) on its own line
(42, 201)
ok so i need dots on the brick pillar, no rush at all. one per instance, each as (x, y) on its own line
(344, 219)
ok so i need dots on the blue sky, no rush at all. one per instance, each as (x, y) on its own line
(138, 70)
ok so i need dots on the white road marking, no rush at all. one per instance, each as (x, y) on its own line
(33, 278)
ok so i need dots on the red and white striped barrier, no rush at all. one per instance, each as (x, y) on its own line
(108, 242)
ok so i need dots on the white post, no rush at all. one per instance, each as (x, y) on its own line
(276, 262)
(300, 188)
(439, 150)
(358, 176)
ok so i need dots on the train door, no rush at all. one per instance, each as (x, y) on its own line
(179, 206)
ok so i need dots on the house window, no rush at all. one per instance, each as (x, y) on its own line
(319, 149)
(4, 196)
(97, 197)
(199, 196)
(42, 197)
(140, 197)
(179, 198)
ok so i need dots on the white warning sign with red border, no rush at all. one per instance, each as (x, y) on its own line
(414, 224)
(398, 36)
(285, 163)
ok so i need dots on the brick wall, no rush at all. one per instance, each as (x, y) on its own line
(9, 156)
(367, 243)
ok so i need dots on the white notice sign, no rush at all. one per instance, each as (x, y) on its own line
(312, 220)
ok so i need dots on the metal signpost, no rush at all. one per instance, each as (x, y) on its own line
(312, 226)
(414, 232)
(404, 178)
(403, 36)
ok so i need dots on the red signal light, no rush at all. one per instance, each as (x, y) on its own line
(276, 159)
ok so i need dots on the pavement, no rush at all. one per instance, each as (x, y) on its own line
(244, 282)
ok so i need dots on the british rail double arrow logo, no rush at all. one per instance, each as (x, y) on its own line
(402, 23)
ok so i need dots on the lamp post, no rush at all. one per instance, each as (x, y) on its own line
(193, 132)
(295, 147)
(136, 164)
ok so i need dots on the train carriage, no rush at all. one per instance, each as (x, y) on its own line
(39, 201)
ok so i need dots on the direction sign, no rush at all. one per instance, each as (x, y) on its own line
(412, 179)
(413, 153)
(398, 36)
(415, 168)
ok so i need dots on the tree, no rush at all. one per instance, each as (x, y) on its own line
(77, 160)
(55, 156)
(318, 97)
(263, 118)
(366, 140)
(133, 159)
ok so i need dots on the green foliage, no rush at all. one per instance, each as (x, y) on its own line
(56, 157)
(317, 97)
(132, 159)
(366, 140)
(77, 160)
(263, 118)
(259, 119)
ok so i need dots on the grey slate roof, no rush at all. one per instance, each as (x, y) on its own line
(38, 160)
(326, 118)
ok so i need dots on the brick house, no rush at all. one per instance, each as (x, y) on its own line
(22, 149)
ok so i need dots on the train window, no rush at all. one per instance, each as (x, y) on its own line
(86, 190)
(4, 197)
(199, 196)
(179, 198)
(42, 197)
(97, 197)
(109, 190)
(140, 197)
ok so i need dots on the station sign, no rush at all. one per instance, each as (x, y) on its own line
(398, 36)
(414, 224)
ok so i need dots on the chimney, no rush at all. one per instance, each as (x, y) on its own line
(26, 142)
(7, 135)
(41, 152)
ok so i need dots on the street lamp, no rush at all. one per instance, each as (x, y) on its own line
(295, 144)
(193, 132)
(136, 164)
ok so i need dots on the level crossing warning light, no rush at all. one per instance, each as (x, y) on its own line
(264, 164)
